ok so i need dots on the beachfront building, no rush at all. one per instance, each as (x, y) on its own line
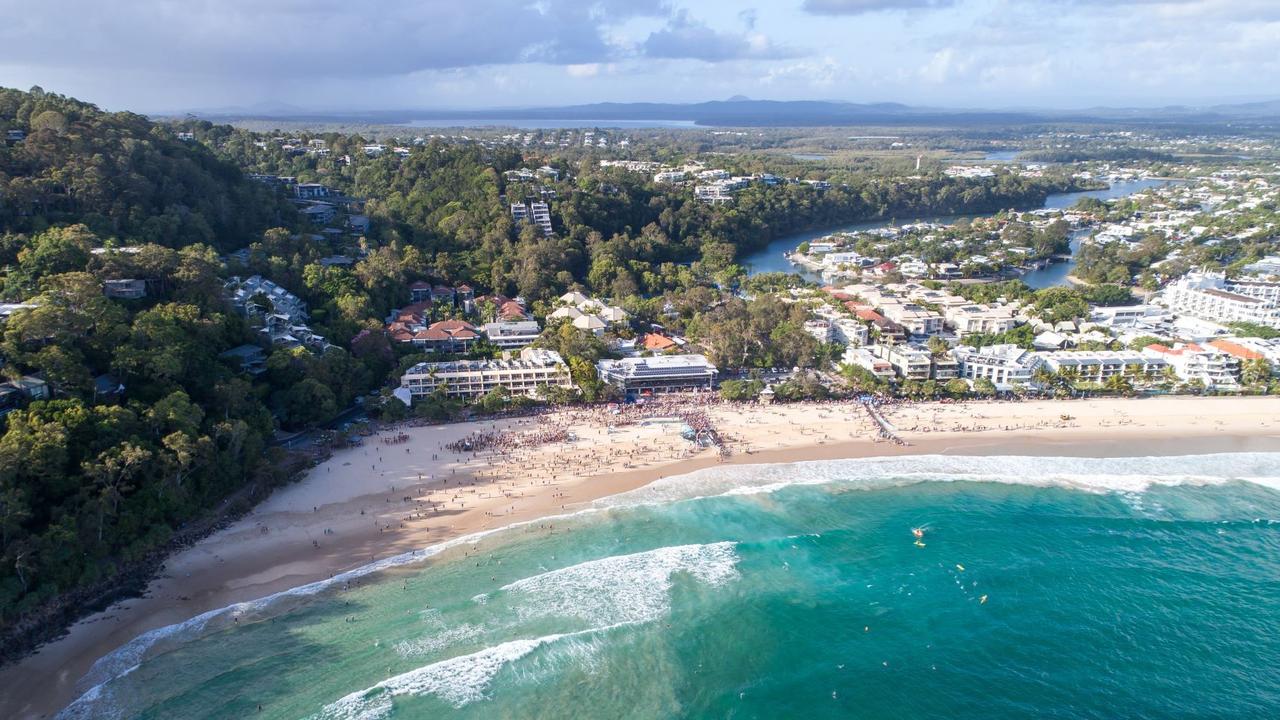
(1098, 365)
(1003, 365)
(909, 362)
(867, 360)
(848, 331)
(1195, 363)
(534, 368)
(659, 374)
(1250, 349)
(1210, 296)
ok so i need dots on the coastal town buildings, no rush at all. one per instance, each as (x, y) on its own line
(660, 374)
(533, 368)
(1211, 296)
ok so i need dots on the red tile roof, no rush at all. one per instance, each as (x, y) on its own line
(654, 341)
(1236, 350)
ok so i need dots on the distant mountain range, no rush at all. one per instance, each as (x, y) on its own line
(744, 112)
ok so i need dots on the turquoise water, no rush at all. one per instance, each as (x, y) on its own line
(1139, 587)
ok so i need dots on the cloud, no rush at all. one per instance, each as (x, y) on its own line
(292, 38)
(859, 7)
(685, 37)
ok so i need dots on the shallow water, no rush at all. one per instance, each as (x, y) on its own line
(1046, 587)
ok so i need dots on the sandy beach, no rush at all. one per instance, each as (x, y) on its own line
(412, 487)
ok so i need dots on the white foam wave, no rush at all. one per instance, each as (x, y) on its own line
(458, 681)
(621, 589)
(1126, 475)
(436, 642)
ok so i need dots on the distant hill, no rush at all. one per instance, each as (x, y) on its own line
(740, 111)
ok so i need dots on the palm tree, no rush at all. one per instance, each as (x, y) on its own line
(1119, 384)
(1255, 372)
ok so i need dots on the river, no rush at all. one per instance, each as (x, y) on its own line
(772, 258)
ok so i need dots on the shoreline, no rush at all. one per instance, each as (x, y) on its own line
(342, 516)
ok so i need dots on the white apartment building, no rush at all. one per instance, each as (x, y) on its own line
(1210, 296)
(822, 330)
(256, 295)
(538, 213)
(864, 358)
(535, 368)
(917, 319)
(910, 362)
(975, 318)
(1001, 364)
(1098, 365)
(1125, 315)
(1191, 362)
(509, 334)
(850, 332)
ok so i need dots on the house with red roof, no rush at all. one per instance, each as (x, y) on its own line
(654, 342)
(447, 336)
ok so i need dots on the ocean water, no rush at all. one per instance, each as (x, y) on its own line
(1045, 588)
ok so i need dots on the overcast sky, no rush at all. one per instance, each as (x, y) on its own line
(159, 55)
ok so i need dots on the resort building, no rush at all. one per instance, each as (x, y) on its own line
(537, 213)
(1003, 365)
(848, 331)
(535, 368)
(1195, 363)
(588, 314)
(1098, 365)
(1210, 296)
(659, 374)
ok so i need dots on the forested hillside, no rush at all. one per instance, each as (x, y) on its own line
(90, 483)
